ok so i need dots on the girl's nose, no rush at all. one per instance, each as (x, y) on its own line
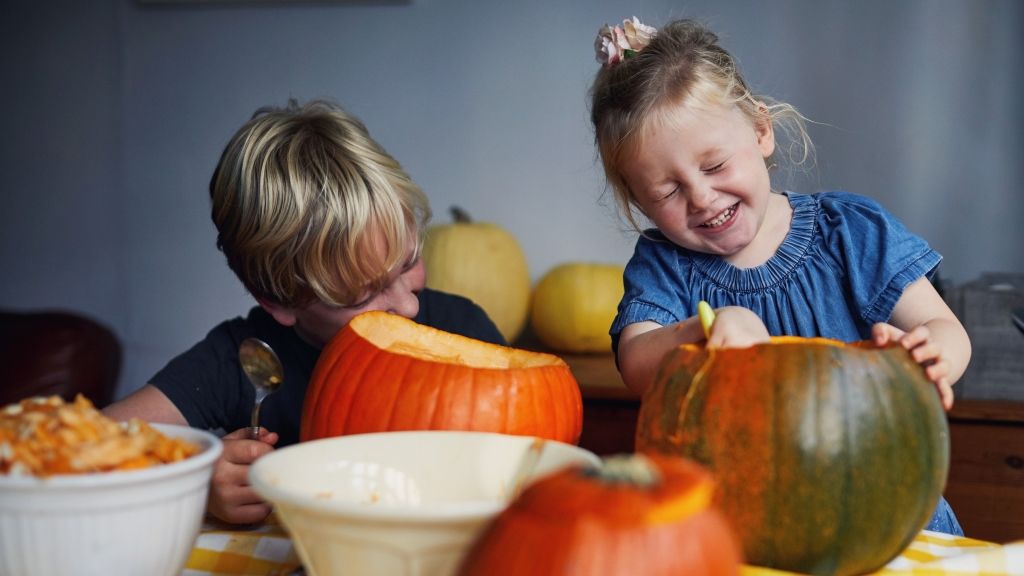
(700, 197)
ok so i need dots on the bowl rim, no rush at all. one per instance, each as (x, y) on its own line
(211, 445)
(440, 512)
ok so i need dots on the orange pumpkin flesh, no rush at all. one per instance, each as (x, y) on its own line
(584, 522)
(384, 372)
(829, 458)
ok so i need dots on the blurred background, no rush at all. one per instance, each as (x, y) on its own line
(117, 111)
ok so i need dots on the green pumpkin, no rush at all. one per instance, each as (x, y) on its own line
(829, 458)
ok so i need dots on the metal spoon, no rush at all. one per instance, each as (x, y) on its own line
(261, 365)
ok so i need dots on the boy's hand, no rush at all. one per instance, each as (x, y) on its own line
(924, 350)
(231, 498)
(736, 327)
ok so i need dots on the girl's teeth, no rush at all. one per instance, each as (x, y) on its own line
(722, 218)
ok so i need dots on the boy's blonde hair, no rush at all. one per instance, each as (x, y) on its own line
(683, 65)
(309, 207)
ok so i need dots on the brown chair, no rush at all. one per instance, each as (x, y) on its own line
(44, 353)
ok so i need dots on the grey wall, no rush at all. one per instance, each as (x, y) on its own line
(116, 112)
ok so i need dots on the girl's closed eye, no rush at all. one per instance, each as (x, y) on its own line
(661, 196)
(714, 168)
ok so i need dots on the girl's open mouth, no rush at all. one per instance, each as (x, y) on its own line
(722, 218)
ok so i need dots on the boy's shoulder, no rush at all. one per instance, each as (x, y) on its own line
(457, 314)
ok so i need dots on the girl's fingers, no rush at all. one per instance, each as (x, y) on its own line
(937, 371)
(945, 393)
(926, 353)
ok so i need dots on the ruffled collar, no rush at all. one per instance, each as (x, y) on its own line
(786, 259)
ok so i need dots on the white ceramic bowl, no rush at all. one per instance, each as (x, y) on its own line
(398, 503)
(131, 523)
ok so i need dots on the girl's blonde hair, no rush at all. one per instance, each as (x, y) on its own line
(683, 65)
(309, 207)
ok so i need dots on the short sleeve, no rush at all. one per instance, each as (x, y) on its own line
(878, 254)
(652, 287)
(197, 380)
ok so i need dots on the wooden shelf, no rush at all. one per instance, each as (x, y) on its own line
(992, 411)
(986, 471)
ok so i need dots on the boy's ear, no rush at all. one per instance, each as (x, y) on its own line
(282, 314)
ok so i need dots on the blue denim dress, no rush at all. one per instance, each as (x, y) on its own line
(842, 267)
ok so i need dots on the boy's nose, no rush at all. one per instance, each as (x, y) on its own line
(402, 300)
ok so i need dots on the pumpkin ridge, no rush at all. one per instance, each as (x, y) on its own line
(565, 420)
(697, 382)
(399, 374)
(341, 421)
(330, 394)
(427, 397)
(316, 391)
(534, 406)
(437, 413)
(472, 392)
(550, 397)
(573, 419)
(576, 397)
(836, 553)
(913, 392)
(886, 532)
(771, 512)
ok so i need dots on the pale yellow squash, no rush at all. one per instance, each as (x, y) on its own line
(574, 305)
(483, 262)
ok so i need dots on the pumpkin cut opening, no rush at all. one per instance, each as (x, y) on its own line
(384, 372)
(402, 336)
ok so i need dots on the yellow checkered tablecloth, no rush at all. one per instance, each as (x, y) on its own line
(266, 550)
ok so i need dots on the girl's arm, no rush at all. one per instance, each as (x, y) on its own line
(922, 323)
(643, 345)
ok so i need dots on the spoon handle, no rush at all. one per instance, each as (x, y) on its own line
(254, 424)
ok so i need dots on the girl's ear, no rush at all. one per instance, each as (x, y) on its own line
(765, 131)
(283, 315)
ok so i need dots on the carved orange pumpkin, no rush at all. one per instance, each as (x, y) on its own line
(383, 372)
(829, 457)
(635, 515)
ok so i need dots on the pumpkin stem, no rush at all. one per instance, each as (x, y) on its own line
(459, 215)
(632, 469)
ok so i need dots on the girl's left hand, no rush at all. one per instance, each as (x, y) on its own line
(924, 350)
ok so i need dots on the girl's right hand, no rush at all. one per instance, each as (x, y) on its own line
(231, 498)
(736, 327)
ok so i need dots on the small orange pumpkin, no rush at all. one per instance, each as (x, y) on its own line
(384, 372)
(634, 515)
(829, 457)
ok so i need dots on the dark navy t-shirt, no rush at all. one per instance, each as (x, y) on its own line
(207, 385)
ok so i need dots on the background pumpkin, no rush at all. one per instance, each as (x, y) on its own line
(829, 458)
(484, 263)
(636, 515)
(384, 372)
(574, 305)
